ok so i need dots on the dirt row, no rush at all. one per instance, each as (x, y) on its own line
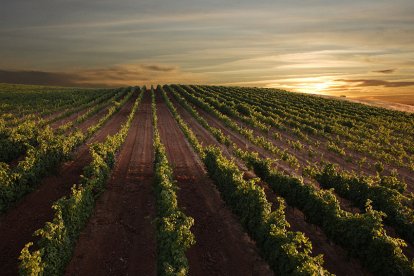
(31, 213)
(119, 239)
(336, 259)
(70, 118)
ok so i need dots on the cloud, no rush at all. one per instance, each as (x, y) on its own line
(161, 68)
(115, 76)
(294, 45)
(363, 83)
(387, 71)
(40, 78)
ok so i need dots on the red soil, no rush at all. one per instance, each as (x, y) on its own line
(31, 213)
(90, 122)
(222, 248)
(120, 236)
(68, 119)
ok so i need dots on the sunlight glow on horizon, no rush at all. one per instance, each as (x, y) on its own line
(353, 48)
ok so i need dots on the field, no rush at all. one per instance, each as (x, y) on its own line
(202, 180)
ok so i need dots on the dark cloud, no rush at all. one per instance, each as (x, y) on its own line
(114, 76)
(40, 78)
(387, 71)
(161, 68)
(111, 77)
(363, 83)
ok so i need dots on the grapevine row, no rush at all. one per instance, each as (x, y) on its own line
(384, 196)
(173, 226)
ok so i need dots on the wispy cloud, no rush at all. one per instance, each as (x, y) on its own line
(363, 83)
(386, 71)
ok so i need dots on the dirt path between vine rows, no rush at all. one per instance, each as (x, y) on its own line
(119, 239)
(336, 260)
(31, 213)
(70, 118)
(222, 247)
(94, 118)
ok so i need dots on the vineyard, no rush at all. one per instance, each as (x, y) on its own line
(202, 180)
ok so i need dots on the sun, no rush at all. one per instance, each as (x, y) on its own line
(319, 87)
(313, 85)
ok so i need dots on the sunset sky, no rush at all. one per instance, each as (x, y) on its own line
(353, 48)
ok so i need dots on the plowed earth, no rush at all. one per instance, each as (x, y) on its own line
(120, 236)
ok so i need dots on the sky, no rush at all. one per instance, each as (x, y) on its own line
(353, 48)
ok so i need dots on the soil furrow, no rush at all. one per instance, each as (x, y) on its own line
(72, 117)
(119, 239)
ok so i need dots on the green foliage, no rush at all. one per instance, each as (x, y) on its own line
(379, 167)
(14, 141)
(393, 182)
(335, 148)
(361, 189)
(287, 252)
(243, 109)
(361, 234)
